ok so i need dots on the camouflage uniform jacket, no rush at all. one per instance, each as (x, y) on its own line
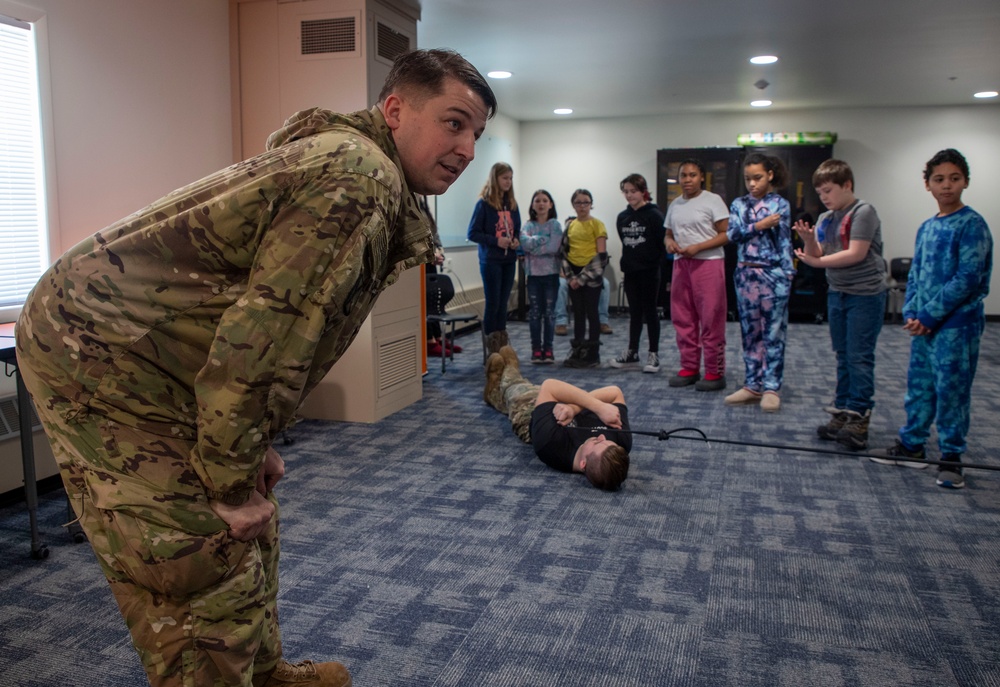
(209, 315)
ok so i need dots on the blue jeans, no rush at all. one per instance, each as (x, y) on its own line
(562, 314)
(542, 293)
(855, 323)
(498, 280)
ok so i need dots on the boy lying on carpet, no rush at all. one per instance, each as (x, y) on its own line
(571, 430)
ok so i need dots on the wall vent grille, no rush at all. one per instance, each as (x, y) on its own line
(10, 419)
(397, 362)
(329, 35)
(390, 43)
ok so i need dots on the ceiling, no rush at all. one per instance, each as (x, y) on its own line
(620, 58)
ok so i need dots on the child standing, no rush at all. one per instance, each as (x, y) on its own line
(640, 227)
(847, 243)
(943, 311)
(496, 227)
(760, 225)
(696, 227)
(541, 239)
(585, 246)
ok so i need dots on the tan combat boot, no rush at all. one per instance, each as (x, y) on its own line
(495, 366)
(305, 674)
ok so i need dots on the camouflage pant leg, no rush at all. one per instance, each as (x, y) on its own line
(519, 396)
(200, 606)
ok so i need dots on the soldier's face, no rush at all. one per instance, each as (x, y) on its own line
(436, 138)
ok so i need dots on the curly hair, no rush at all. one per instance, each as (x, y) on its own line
(779, 173)
(947, 155)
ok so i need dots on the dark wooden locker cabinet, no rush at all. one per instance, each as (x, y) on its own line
(724, 176)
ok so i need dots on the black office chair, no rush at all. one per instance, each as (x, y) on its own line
(440, 291)
(899, 272)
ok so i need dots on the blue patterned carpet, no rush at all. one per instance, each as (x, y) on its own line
(433, 549)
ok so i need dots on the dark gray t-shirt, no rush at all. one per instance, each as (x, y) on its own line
(861, 223)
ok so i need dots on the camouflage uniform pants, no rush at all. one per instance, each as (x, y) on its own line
(515, 397)
(200, 605)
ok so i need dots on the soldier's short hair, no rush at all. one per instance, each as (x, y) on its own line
(424, 71)
(610, 470)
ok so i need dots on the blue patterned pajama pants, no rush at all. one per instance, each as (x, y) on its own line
(939, 387)
(762, 297)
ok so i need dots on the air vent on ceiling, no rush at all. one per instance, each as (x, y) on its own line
(329, 35)
(390, 43)
(10, 425)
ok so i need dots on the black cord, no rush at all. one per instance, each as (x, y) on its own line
(664, 435)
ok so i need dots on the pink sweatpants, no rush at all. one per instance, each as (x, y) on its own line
(698, 311)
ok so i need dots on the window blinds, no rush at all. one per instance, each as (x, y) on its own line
(22, 215)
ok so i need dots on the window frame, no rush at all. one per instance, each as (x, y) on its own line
(39, 30)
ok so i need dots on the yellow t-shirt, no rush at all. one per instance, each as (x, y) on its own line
(583, 240)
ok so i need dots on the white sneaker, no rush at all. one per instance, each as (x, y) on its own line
(652, 363)
(628, 358)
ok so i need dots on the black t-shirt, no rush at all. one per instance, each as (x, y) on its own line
(556, 445)
(641, 232)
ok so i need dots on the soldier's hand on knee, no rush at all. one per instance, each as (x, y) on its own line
(271, 471)
(247, 521)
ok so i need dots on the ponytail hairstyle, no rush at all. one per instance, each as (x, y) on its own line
(640, 184)
(779, 174)
(491, 193)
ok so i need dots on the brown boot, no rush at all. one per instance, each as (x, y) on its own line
(510, 357)
(305, 674)
(494, 341)
(495, 366)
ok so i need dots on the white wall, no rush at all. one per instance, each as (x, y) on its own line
(141, 103)
(140, 96)
(886, 147)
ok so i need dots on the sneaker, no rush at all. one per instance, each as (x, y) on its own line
(305, 674)
(854, 433)
(561, 330)
(606, 328)
(950, 476)
(548, 357)
(770, 402)
(890, 456)
(628, 358)
(836, 423)
(536, 357)
(684, 378)
(711, 383)
(742, 397)
(652, 363)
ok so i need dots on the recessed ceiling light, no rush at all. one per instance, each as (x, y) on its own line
(763, 59)
(760, 103)
(985, 94)
(562, 111)
(499, 74)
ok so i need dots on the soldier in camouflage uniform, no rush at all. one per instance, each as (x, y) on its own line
(570, 429)
(165, 353)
